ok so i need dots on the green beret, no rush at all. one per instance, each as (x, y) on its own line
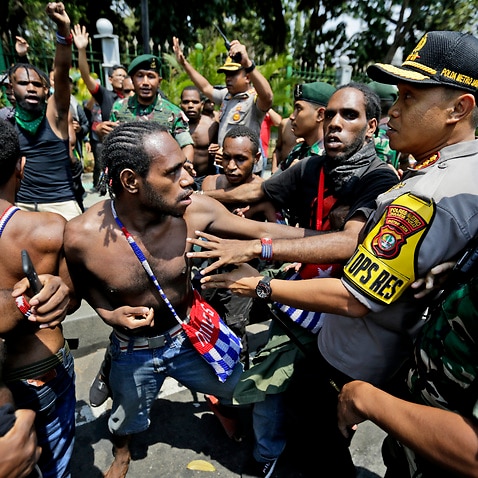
(145, 62)
(317, 92)
(385, 92)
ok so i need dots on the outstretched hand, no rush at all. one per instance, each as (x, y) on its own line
(80, 37)
(241, 281)
(21, 46)
(178, 51)
(225, 251)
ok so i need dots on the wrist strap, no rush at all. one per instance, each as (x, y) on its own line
(266, 249)
(251, 68)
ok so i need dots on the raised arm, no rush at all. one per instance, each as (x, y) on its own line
(81, 38)
(196, 77)
(59, 104)
(261, 85)
(276, 118)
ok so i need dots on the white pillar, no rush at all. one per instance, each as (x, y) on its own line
(344, 71)
(109, 47)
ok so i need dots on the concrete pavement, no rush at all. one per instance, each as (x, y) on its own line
(182, 429)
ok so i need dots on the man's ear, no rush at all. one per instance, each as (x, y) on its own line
(258, 156)
(129, 180)
(19, 167)
(320, 114)
(463, 106)
(371, 128)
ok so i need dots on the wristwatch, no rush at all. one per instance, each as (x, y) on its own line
(263, 288)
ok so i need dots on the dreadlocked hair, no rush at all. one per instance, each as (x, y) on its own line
(372, 100)
(28, 67)
(124, 148)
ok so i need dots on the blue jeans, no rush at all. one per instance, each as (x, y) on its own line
(54, 402)
(268, 422)
(136, 378)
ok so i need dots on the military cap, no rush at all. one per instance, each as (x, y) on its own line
(145, 62)
(441, 58)
(385, 92)
(317, 92)
(230, 65)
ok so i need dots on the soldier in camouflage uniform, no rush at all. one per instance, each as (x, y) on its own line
(310, 100)
(147, 104)
(443, 376)
(387, 94)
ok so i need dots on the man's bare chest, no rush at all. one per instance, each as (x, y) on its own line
(127, 278)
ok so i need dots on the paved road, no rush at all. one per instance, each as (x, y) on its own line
(182, 429)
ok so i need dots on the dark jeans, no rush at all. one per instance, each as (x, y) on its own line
(311, 417)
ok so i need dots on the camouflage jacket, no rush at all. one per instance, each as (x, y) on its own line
(161, 111)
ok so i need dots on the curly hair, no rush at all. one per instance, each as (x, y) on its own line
(124, 148)
(9, 152)
(241, 131)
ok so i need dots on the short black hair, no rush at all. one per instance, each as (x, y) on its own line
(241, 131)
(114, 68)
(193, 88)
(9, 152)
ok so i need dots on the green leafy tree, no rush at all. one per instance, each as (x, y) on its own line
(314, 31)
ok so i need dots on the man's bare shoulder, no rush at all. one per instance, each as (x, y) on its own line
(88, 224)
(211, 182)
(202, 211)
(255, 179)
(37, 227)
(206, 121)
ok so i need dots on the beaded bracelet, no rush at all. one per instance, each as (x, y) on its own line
(23, 305)
(266, 249)
(67, 41)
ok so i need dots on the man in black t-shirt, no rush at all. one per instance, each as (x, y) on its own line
(332, 192)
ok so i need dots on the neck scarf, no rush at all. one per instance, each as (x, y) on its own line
(27, 120)
(341, 172)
